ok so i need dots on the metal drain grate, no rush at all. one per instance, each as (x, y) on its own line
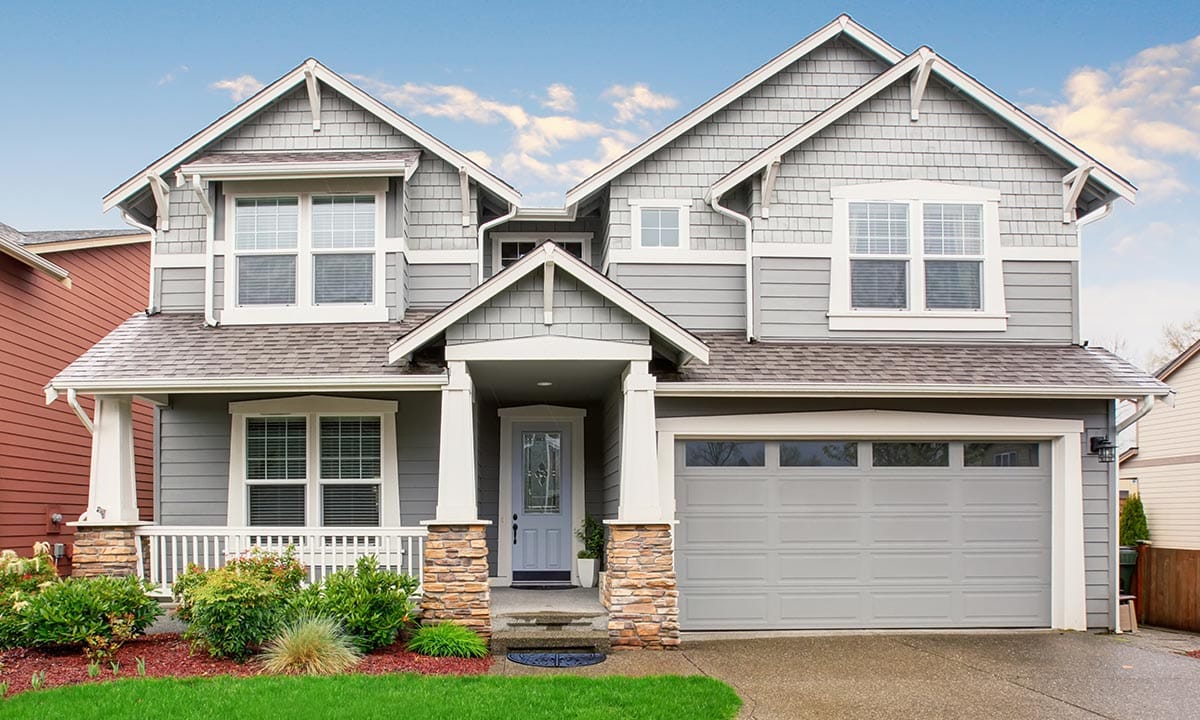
(555, 658)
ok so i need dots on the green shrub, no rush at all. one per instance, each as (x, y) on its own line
(97, 614)
(283, 569)
(26, 575)
(1133, 521)
(311, 645)
(232, 614)
(372, 604)
(591, 534)
(447, 640)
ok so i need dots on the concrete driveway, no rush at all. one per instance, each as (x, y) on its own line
(979, 675)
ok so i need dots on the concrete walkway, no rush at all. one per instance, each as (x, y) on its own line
(978, 675)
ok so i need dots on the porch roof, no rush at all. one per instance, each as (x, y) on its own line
(893, 369)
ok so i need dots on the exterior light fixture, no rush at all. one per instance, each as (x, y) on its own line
(545, 383)
(1103, 448)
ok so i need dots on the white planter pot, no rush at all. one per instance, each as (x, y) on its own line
(587, 572)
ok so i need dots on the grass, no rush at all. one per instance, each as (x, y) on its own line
(383, 697)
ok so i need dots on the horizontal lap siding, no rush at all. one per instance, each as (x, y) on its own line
(1099, 478)
(698, 297)
(179, 289)
(45, 453)
(794, 302)
(434, 286)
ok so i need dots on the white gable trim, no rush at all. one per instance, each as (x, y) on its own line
(548, 347)
(955, 77)
(276, 90)
(20, 254)
(548, 252)
(842, 25)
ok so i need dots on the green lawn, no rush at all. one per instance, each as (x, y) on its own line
(390, 697)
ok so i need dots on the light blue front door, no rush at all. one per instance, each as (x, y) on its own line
(541, 488)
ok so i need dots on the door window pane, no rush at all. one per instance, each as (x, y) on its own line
(953, 284)
(1000, 454)
(717, 453)
(542, 465)
(911, 454)
(339, 278)
(879, 284)
(818, 453)
(276, 505)
(349, 505)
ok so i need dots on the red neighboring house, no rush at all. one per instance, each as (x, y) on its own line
(60, 292)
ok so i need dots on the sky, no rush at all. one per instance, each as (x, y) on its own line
(543, 93)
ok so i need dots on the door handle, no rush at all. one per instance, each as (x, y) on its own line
(514, 528)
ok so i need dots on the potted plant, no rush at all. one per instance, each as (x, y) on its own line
(1133, 531)
(591, 534)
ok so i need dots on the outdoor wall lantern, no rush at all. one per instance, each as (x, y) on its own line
(1104, 449)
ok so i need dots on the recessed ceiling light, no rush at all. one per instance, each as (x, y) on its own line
(545, 383)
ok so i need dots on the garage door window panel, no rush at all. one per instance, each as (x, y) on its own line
(723, 453)
(1001, 454)
(818, 453)
(910, 454)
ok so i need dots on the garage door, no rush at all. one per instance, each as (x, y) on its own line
(856, 534)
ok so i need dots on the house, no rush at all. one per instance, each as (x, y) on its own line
(60, 292)
(812, 351)
(1164, 467)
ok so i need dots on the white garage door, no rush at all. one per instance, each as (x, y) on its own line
(855, 534)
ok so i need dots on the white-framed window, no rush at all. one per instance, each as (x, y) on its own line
(660, 225)
(313, 461)
(509, 247)
(916, 255)
(304, 257)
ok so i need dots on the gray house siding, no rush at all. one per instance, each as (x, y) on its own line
(1098, 482)
(436, 285)
(218, 286)
(611, 447)
(518, 311)
(698, 297)
(793, 302)
(179, 289)
(186, 231)
(686, 167)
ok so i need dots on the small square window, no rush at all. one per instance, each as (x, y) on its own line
(660, 227)
(718, 453)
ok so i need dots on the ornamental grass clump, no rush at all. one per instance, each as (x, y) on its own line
(311, 645)
(447, 640)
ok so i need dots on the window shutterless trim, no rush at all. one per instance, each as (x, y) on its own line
(683, 207)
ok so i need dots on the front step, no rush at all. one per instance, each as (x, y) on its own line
(545, 629)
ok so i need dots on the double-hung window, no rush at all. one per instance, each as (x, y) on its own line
(953, 256)
(266, 240)
(276, 471)
(340, 227)
(879, 258)
(351, 458)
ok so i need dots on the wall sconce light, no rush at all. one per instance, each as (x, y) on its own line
(1104, 449)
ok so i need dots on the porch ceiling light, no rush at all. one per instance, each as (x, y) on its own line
(544, 383)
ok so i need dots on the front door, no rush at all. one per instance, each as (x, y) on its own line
(541, 487)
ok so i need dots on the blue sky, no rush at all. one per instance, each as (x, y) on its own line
(546, 91)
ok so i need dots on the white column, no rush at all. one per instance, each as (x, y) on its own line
(456, 450)
(640, 500)
(112, 488)
(1068, 589)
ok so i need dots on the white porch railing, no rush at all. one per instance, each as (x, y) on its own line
(167, 551)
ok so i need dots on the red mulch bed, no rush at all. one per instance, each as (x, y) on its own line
(172, 656)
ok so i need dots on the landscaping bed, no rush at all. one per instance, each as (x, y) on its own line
(170, 656)
(385, 697)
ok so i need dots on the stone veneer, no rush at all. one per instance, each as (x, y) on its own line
(104, 550)
(639, 587)
(456, 578)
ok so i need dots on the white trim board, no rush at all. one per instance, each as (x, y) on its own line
(1068, 591)
(841, 25)
(885, 390)
(572, 417)
(24, 256)
(548, 347)
(46, 248)
(825, 251)
(279, 383)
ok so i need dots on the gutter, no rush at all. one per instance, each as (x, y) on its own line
(715, 202)
(153, 236)
(333, 383)
(512, 211)
(891, 390)
(1145, 405)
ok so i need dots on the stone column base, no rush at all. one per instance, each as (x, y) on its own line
(456, 578)
(639, 589)
(104, 550)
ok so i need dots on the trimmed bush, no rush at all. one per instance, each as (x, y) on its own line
(97, 614)
(311, 645)
(233, 614)
(372, 604)
(282, 569)
(1133, 521)
(447, 640)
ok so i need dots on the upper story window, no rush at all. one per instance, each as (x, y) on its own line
(509, 247)
(660, 225)
(916, 255)
(304, 257)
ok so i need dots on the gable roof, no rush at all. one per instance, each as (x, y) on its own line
(549, 252)
(842, 25)
(12, 243)
(278, 89)
(1180, 360)
(958, 79)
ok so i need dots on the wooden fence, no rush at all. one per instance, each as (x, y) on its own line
(1167, 586)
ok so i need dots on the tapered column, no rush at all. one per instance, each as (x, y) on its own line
(456, 450)
(640, 500)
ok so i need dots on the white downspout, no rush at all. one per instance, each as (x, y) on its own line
(512, 210)
(715, 202)
(153, 236)
(1098, 214)
(1144, 407)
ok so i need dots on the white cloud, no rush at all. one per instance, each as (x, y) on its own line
(1140, 116)
(480, 157)
(633, 101)
(239, 88)
(559, 98)
(449, 101)
(170, 77)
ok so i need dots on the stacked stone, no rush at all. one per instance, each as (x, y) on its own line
(639, 589)
(108, 551)
(456, 578)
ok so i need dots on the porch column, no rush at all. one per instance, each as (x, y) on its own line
(104, 541)
(455, 583)
(639, 586)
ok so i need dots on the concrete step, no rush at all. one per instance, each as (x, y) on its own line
(548, 620)
(591, 640)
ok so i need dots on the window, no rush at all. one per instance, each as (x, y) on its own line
(1000, 454)
(276, 470)
(879, 230)
(305, 257)
(912, 454)
(660, 227)
(716, 453)
(818, 453)
(351, 458)
(953, 230)
(507, 248)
